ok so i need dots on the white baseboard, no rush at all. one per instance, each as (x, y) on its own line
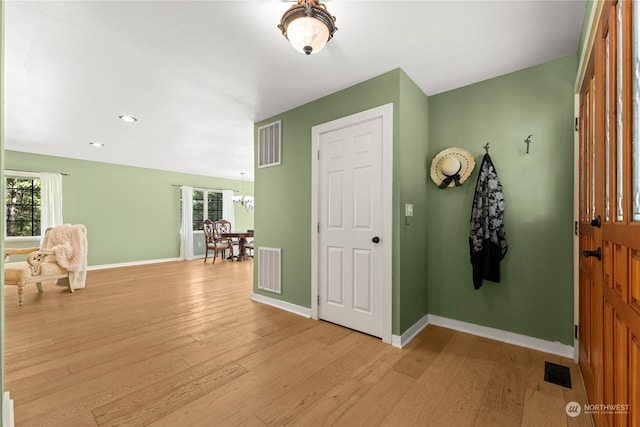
(400, 341)
(130, 264)
(545, 346)
(293, 308)
(7, 411)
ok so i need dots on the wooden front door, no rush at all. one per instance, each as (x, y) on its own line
(590, 287)
(609, 220)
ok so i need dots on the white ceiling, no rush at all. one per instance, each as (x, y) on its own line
(197, 75)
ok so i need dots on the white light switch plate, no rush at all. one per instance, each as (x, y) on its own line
(408, 209)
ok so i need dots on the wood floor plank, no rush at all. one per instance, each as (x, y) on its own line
(514, 355)
(83, 419)
(24, 387)
(221, 406)
(152, 402)
(419, 404)
(114, 365)
(245, 345)
(284, 409)
(298, 375)
(337, 401)
(503, 400)
(56, 408)
(533, 414)
(181, 344)
(417, 360)
(328, 409)
(374, 406)
(130, 356)
(318, 333)
(502, 403)
(542, 394)
(253, 422)
(461, 403)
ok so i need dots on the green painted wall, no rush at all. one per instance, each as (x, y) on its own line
(283, 192)
(535, 296)
(131, 214)
(410, 179)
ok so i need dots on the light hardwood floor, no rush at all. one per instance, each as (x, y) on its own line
(181, 344)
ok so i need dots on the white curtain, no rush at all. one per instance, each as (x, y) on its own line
(186, 224)
(50, 200)
(227, 207)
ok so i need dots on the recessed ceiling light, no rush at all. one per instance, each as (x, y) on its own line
(128, 119)
(96, 144)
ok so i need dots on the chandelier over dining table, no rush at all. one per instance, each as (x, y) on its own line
(247, 201)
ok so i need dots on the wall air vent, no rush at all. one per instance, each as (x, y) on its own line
(269, 269)
(269, 144)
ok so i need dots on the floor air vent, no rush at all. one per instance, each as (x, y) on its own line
(269, 270)
(557, 374)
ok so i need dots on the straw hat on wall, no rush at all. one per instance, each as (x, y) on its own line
(451, 167)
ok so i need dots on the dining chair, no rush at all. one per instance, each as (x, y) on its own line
(213, 241)
(222, 226)
(248, 248)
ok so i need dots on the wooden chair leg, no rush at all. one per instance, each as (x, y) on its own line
(206, 254)
(39, 286)
(65, 282)
(20, 295)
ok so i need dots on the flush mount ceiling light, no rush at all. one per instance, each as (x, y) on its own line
(128, 119)
(308, 26)
(96, 144)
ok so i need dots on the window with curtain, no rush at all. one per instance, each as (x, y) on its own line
(206, 204)
(23, 206)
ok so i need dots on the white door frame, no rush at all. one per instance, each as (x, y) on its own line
(386, 239)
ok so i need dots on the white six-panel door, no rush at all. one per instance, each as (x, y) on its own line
(350, 222)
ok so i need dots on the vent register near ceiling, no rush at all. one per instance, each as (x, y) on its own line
(269, 144)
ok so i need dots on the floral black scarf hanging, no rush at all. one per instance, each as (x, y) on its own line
(487, 240)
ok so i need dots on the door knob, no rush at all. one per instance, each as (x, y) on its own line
(596, 222)
(375, 239)
(596, 254)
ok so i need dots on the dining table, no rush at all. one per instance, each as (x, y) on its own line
(242, 237)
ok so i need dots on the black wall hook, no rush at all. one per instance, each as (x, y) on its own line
(528, 141)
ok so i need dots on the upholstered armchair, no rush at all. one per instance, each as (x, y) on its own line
(63, 257)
